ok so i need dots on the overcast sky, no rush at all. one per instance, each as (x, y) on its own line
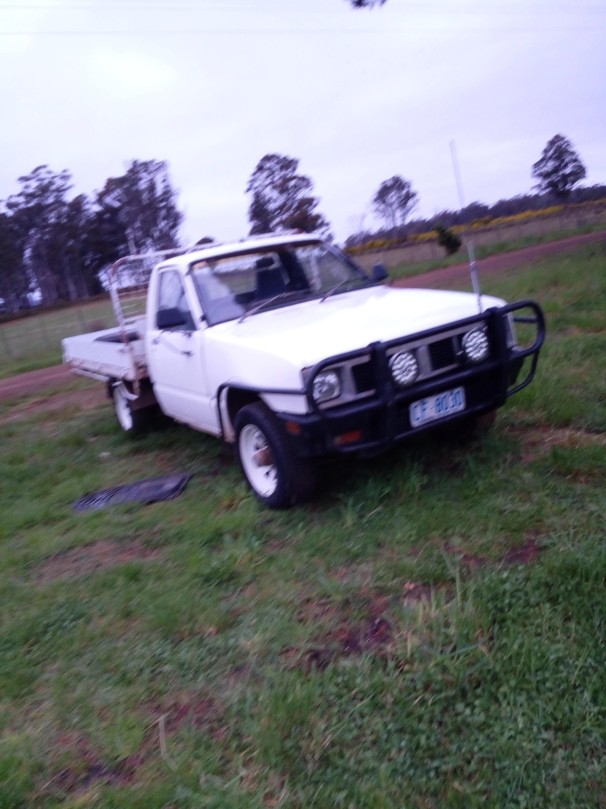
(357, 96)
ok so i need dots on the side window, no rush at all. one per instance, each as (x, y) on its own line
(172, 303)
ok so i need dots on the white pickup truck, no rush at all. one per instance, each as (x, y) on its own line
(284, 347)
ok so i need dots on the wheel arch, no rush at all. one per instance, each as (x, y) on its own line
(231, 401)
(143, 399)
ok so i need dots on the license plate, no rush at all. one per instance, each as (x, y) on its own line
(437, 407)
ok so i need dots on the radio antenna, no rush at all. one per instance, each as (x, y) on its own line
(473, 267)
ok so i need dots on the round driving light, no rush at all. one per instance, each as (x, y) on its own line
(475, 345)
(404, 368)
(326, 386)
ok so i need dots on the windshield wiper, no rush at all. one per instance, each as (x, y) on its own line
(268, 301)
(338, 286)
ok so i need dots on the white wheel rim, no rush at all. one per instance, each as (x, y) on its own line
(257, 461)
(122, 408)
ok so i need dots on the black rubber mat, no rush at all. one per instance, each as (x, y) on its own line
(144, 491)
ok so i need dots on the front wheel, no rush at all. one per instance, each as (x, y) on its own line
(276, 475)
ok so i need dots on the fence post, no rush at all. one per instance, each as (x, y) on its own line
(5, 342)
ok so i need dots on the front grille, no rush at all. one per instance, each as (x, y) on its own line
(363, 376)
(442, 354)
(436, 354)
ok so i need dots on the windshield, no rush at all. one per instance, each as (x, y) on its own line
(230, 286)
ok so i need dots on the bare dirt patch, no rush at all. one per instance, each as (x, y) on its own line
(55, 402)
(86, 768)
(521, 555)
(538, 440)
(187, 710)
(368, 624)
(51, 390)
(34, 381)
(525, 554)
(352, 631)
(94, 558)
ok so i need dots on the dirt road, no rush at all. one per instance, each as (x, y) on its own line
(501, 262)
(34, 381)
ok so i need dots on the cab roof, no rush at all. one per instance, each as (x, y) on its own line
(250, 244)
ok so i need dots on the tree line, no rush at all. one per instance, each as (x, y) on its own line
(54, 249)
(557, 173)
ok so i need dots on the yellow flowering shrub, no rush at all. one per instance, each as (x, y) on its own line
(483, 224)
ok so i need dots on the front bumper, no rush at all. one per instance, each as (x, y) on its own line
(375, 423)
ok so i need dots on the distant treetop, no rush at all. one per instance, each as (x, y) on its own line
(281, 198)
(559, 168)
(394, 201)
(366, 3)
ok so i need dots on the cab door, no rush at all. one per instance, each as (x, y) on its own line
(175, 354)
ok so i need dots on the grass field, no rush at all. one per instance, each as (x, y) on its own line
(430, 632)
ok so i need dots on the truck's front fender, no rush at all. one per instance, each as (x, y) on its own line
(232, 397)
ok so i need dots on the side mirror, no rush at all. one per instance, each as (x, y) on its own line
(171, 318)
(379, 272)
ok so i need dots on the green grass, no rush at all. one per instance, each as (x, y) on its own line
(380, 647)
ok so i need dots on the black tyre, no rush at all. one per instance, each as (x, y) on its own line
(276, 475)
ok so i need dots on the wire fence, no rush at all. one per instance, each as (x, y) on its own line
(36, 338)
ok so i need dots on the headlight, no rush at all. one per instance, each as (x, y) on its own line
(475, 345)
(404, 368)
(327, 385)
